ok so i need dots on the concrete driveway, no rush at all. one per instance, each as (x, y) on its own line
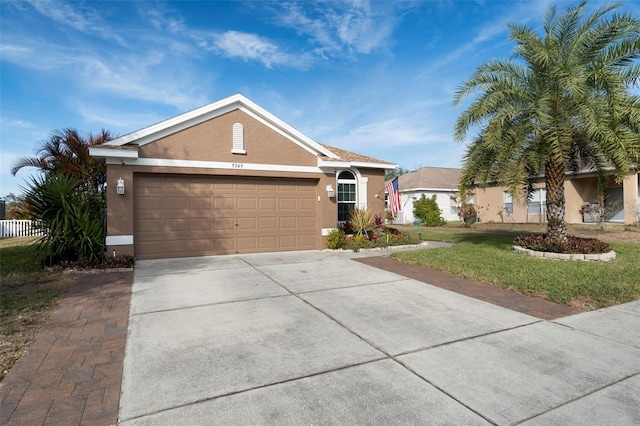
(316, 338)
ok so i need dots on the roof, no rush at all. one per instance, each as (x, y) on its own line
(345, 155)
(327, 156)
(430, 178)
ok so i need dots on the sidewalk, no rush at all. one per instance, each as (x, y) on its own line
(73, 372)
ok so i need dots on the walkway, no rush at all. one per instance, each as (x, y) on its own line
(73, 372)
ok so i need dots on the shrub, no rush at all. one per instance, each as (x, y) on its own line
(467, 213)
(71, 229)
(346, 227)
(362, 220)
(388, 237)
(577, 245)
(336, 239)
(378, 220)
(426, 209)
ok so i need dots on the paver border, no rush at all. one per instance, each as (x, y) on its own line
(73, 371)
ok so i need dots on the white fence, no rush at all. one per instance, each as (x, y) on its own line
(19, 228)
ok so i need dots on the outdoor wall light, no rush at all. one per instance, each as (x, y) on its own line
(330, 192)
(120, 187)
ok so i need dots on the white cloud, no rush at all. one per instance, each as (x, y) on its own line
(116, 120)
(142, 76)
(361, 28)
(519, 13)
(29, 54)
(393, 132)
(252, 47)
(18, 138)
(161, 22)
(356, 26)
(87, 21)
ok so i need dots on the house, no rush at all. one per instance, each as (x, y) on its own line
(495, 204)
(429, 181)
(229, 177)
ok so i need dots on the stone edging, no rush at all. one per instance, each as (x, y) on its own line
(96, 271)
(602, 257)
(422, 244)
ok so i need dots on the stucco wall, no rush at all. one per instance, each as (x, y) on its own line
(579, 191)
(213, 140)
(631, 188)
(120, 217)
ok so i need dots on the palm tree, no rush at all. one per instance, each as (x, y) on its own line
(562, 104)
(67, 153)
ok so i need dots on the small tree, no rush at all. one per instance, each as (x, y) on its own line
(560, 104)
(392, 174)
(70, 199)
(70, 231)
(427, 210)
(15, 207)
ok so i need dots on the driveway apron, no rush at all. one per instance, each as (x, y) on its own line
(315, 337)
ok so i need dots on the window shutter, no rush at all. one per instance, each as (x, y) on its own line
(238, 139)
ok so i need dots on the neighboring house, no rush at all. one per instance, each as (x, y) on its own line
(429, 181)
(494, 204)
(229, 177)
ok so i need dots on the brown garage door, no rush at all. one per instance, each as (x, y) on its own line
(178, 216)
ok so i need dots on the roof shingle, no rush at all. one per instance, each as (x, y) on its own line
(350, 156)
(430, 177)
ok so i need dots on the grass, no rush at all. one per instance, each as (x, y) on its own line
(27, 296)
(483, 253)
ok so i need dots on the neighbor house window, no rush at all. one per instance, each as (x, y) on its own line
(454, 210)
(346, 195)
(508, 203)
(537, 204)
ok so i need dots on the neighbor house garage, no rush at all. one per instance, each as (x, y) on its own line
(230, 177)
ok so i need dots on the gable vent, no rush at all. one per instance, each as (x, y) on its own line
(238, 139)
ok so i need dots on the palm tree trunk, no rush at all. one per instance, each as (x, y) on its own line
(554, 172)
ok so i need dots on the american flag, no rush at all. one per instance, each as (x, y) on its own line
(393, 198)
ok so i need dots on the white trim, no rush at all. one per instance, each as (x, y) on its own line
(163, 162)
(428, 189)
(362, 192)
(326, 231)
(349, 164)
(119, 240)
(97, 151)
(207, 112)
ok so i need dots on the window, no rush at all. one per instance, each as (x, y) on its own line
(454, 210)
(238, 139)
(508, 203)
(346, 195)
(537, 204)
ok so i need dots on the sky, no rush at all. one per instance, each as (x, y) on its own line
(373, 77)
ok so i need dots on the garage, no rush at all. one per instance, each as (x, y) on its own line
(226, 178)
(178, 216)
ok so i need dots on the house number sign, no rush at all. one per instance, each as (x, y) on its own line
(237, 165)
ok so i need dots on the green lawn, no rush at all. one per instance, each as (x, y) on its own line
(485, 255)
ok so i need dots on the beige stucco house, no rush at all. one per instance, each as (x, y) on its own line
(229, 177)
(495, 204)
